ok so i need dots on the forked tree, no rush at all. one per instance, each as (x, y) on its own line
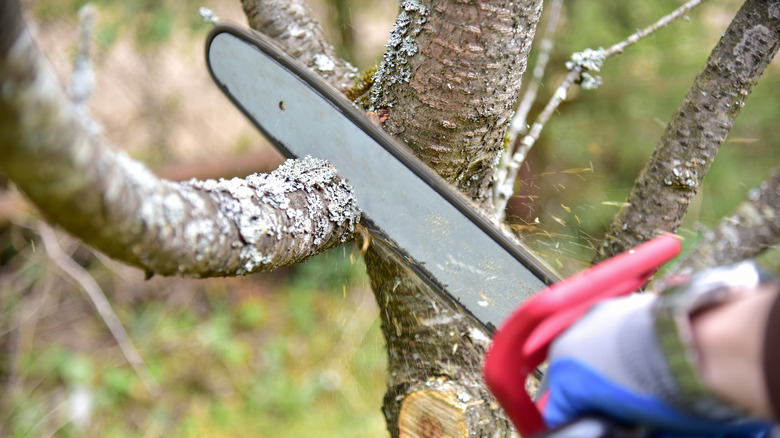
(446, 86)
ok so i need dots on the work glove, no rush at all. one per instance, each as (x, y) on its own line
(610, 363)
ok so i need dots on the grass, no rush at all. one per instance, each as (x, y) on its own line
(285, 354)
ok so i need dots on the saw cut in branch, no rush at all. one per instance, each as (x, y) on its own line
(447, 84)
(115, 204)
(291, 24)
(664, 190)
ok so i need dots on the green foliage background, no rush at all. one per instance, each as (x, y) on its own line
(298, 352)
(611, 131)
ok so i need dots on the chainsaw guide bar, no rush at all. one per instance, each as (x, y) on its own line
(432, 227)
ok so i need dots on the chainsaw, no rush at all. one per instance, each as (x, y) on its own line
(461, 254)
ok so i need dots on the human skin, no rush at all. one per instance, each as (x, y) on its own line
(729, 340)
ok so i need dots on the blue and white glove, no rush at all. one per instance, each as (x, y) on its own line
(610, 363)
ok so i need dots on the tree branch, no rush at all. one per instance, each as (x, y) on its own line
(197, 228)
(666, 186)
(449, 80)
(506, 171)
(291, 24)
(753, 228)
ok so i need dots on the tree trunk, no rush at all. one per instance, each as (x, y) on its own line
(447, 84)
(449, 80)
(435, 356)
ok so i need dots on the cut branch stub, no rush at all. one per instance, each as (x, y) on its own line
(444, 409)
(433, 414)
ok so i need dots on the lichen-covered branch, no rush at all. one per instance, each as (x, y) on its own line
(753, 228)
(291, 24)
(665, 188)
(196, 228)
(519, 123)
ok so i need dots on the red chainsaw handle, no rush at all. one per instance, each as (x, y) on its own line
(521, 343)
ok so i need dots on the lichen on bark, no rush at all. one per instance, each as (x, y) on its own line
(292, 25)
(198, 228)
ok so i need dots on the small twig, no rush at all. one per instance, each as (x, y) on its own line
(82, 80)
(103, 307)
(649, 30)
(519, 122)
(24, 325)
(581, 63)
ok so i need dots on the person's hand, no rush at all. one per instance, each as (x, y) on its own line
(610, 363)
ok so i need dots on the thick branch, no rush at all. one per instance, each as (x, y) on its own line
(448, 82)
(753, 228)
(450, 78)
(291, 24)
(671, 178)
(198, 228)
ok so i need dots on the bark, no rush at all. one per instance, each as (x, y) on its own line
(197, 228)
(434, 358)
(752, 229)
(449, 80)
(291, 24)
(672, 177)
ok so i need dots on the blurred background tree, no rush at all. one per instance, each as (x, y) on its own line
(298, 352)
